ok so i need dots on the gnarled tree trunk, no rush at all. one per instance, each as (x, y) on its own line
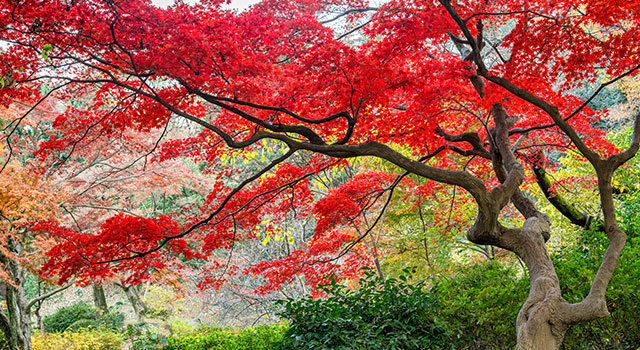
(538, 324)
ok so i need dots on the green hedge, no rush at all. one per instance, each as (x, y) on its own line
(379, 315)
(81, 315)
(621, 330)
(479, 306)
(256, 338)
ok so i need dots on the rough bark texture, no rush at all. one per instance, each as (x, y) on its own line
(16, 321)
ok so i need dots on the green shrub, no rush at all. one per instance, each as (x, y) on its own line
(111, 320)
(479, 307)
(621, 330)
(3, 343)
(66, 316)
(255, 338)
(79, 316)
(378, 315)
(143, 337)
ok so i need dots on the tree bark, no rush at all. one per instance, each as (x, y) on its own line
(19, 318)
(99, 298)
(539, 324)
(16, 322)
(136, 302)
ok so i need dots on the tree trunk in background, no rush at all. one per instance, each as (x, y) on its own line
(19, 318)
(99, 298)
(133, 295)
(15, 321)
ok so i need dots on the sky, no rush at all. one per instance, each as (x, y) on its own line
(237, 4)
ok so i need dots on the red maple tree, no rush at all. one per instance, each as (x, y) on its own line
(464, 93)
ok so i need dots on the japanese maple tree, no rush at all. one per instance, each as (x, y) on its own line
(464, 93)
(25, 197)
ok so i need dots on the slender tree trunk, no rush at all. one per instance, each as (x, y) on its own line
(16, 322)
(136, 302)
(99, 298)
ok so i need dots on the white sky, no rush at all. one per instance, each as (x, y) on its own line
(237, 4)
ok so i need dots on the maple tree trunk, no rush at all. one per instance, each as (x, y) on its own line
(538, 325)
(19, 319)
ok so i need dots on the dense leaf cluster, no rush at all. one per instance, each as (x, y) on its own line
(379, 315)
(79, 316)
(256, 338)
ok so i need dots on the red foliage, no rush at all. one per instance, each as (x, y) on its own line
(276, 69)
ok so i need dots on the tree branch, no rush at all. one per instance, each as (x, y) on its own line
(49, 294)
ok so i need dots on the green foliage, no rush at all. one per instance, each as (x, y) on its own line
(144, 338)
(579, 264)
(81, 315)
(66, 316)
(3, 343)
(256, 338)
(480, 305)
(378, 315)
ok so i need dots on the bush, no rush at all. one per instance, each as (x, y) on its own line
(3, 343)
(621, 330)
(161, 302)
(66, 316)
(378, 315)
(256, 338)
(82, 340)
(143, 337)
(111, 320)
(81, 315)
(479, 307)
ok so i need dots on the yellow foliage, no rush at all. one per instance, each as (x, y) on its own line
(161, 302)
(82, 340)
(630, 87)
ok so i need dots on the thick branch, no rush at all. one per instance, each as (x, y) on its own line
(562, 205)
(470, 137)
(623, 157)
